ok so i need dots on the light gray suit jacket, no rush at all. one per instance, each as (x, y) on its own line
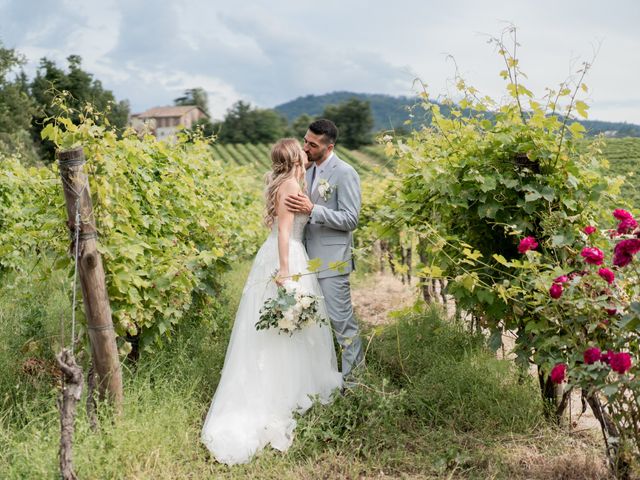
(328, 235)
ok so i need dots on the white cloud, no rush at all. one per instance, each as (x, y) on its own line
(149, 52)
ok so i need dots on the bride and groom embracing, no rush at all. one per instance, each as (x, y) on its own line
(312, 206)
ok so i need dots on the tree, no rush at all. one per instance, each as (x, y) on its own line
(300, 125)
(245, 124)
(194, 96)
(16, 107)
(354, 121)
(82, 88)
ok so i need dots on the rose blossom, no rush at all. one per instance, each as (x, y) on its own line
(526, 244)
(559, 373)
(589, 229)
(555, 291)
(561, 279)
(620, 362)
(627, 225)
(624, 250)
(607, 275)
(621, 214)
(611, 311)
(592, 255)
(606, 357)
(592, 355)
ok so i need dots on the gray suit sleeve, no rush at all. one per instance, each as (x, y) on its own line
(345, 218)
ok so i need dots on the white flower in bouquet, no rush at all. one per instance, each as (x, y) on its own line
(287, 322)
(290, 315)
(291, 309)
(306, 302)
(291, 287)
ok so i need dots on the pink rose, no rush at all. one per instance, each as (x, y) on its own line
(624, 250)
(589, 229)
(607, 275)
(559, 373)
(620, 362)
(592, 355)
(621, 214)
(627, 225)
(526, 244)
(555, 291)
(592, 255)
(606, 357)
(561, 279)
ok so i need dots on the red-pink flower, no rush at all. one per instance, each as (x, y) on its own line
(620, 362)
(559, 373)
(592, 255)
(555, 291)
(526, 244)
(606, 357)
(589, 229)
(621, 214)
(592, 355)
(624, 251)
(561, 279)
(627, 225)
(611, 311)
(607, 275)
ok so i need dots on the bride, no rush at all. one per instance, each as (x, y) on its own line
(267, 376)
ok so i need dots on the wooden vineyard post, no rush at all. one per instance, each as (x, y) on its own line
(104, 351)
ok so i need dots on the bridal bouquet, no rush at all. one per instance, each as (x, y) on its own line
(291, 309)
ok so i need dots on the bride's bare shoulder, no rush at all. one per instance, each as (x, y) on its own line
(290, 185)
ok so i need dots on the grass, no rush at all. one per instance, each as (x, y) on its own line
(433, 403)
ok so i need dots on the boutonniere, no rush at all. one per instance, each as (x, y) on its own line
(325, 189)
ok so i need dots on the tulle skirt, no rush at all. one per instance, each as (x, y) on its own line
(267, 376)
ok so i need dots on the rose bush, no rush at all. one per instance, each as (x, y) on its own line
(587, 303)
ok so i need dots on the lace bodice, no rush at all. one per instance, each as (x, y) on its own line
(297, 231)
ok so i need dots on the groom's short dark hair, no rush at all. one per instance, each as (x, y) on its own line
(325, 127)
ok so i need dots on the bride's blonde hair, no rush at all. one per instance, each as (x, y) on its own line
(286, 155)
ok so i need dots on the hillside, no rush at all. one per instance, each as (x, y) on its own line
(392, 112)
(388, 112)
(368, 161)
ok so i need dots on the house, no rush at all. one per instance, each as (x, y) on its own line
(164, 122)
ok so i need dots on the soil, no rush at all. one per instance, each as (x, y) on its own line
(379, 294)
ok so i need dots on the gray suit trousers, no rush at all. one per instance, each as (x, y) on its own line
(337, 295)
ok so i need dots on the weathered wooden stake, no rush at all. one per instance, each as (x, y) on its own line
(75, 183)
(71, 393)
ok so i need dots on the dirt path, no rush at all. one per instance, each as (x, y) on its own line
(378, 294)
(375, 296)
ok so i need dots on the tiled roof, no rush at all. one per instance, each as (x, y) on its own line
(157, 112)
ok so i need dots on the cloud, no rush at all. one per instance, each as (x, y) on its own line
(149, 52)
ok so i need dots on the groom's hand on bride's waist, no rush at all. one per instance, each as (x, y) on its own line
(299, 203)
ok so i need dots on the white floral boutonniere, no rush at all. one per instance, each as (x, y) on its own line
(325, 189)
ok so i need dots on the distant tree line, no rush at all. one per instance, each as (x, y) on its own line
(246, 124)
(26, 104)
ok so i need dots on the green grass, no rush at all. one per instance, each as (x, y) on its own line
(624, 159)
(433, 402)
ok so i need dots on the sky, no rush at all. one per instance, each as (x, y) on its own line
(271, 52)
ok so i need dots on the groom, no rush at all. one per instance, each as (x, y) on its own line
(333, 203)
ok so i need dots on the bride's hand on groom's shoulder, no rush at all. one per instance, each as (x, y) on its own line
(299, 203)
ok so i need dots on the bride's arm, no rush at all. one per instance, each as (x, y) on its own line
(285, 224)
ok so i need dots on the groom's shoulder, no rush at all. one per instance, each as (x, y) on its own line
(344, 166)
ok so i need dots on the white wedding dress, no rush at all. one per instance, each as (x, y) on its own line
(269, 375)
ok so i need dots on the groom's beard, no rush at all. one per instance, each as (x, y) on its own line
(316, 158)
